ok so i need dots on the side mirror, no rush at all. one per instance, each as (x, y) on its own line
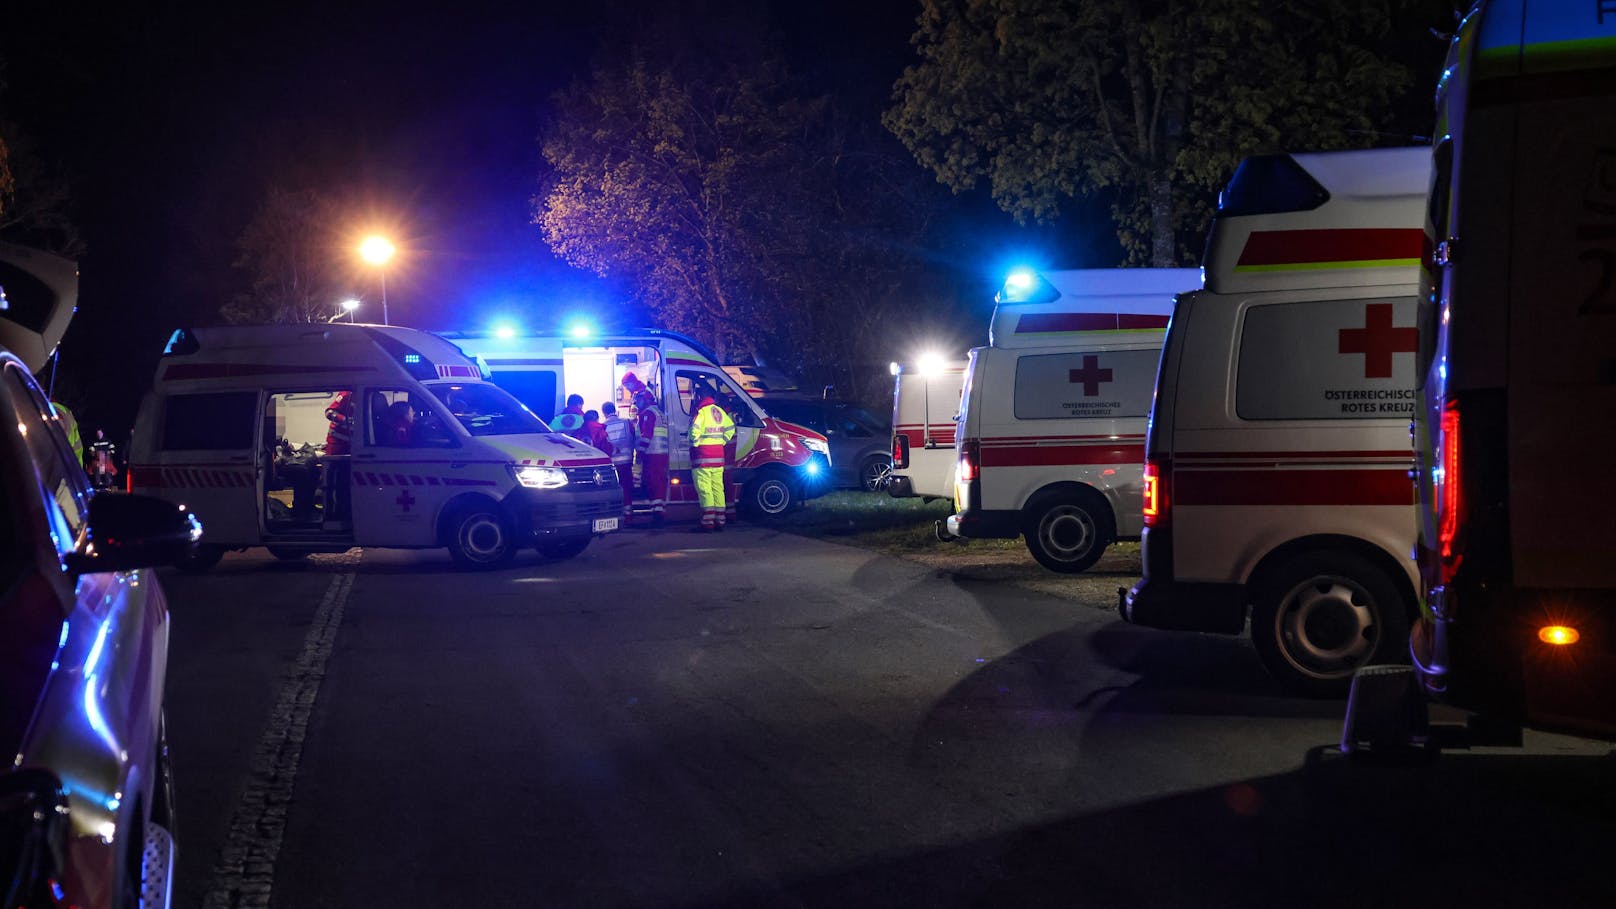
(134, 531)
(33, 836)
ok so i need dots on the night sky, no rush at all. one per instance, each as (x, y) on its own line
(173, 122)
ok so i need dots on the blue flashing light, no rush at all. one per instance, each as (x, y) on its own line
(505, 331)
(581, 330)
(812, 468)
(410, 359)
(1022, 279)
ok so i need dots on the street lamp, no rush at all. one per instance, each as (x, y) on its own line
(347, 309)
(376, 250)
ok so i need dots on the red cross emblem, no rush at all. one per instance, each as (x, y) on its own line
(1090, 376)
(405, 500)
(1378, 340)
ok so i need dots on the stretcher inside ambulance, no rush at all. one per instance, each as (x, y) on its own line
(777, 464)
(1050, 437)
(317, 438)
(1278, 453)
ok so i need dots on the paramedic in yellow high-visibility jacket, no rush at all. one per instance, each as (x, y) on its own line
(710, 430)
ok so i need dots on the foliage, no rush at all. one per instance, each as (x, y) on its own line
(35, 197)
(757, 217)
(1148, 102)
(292, 254)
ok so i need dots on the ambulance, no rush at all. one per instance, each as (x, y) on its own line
(243, 426)
(1049, 443)
(925, 404)
(1277, 462)
(1517, 423)
(778, 466)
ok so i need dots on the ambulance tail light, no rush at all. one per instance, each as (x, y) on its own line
(970, 460)
(900, 450)
(1449, 496)
(1157, 504)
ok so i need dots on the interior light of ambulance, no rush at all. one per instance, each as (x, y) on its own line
(1558, 635)
(1449, 480)
(970, 460)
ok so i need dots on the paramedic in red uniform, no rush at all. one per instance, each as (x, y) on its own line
(338, 445)
(653, 447)
(711, 431)
(620, 433)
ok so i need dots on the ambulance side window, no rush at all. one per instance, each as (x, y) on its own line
(693, 385)
(1327, 360)
(399, 418)
(220, 421)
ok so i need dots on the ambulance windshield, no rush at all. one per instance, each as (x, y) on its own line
(487, 410)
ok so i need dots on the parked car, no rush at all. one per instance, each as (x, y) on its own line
(860, 442)
(86, 807)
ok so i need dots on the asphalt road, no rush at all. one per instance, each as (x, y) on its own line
(760, 719)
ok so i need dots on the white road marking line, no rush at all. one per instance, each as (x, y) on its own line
(245, 872)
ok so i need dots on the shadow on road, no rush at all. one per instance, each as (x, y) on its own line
(1466, 829)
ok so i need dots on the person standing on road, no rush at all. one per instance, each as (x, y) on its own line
(620, 433)
(653, 446)
(711, 430)
(571, 418)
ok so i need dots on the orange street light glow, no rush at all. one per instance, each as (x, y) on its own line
(376, 250)
(1559, 635)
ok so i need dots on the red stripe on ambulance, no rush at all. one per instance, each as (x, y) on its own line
(1035, 323)
(1292, 487)
(1297, 247)
(1058, 455)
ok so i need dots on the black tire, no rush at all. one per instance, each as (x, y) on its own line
(874, 472)
(564, 548)
(1321, 615)
(770, 495)
(287, 555)
(201, 559)
(1068, 532)
(479, 538)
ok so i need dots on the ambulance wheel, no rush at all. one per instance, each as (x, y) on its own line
(1320, 616)
(564, 548)
(480, 538)
(288, 555)
(200, 559)
(1068, 532)
(770, 495)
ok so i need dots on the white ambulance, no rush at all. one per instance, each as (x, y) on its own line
(778, 465)
(246, 427)
(1050, 438)
(1277, 475)
(925, 404)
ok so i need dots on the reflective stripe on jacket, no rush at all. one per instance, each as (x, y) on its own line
(653, 431)
(621, 434)
(710, 429)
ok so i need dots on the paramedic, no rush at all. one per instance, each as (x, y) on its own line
(711, 430)
(653, 446)
(571, 418)
(338, 445)
(398, 427)
(620, 433)
(70, 425)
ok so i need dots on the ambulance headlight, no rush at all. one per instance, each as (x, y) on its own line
(817, 445)
(540, 477)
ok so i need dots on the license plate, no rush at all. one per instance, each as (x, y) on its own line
(604, 524)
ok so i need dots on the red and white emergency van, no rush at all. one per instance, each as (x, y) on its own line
(315, 438)
(925, 404)
(778, 465)
(1278, 454)
(1049, 443)
(1517, 550)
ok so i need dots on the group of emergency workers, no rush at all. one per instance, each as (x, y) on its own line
(712, 443)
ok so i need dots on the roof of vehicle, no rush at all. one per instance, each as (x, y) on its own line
(246, 355)
(39, 293)
(1328, 219)
(1094, 305)
(487, 341)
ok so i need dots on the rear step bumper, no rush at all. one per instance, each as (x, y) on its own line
(1185, 606)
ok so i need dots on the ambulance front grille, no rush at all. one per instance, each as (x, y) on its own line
(605, 475)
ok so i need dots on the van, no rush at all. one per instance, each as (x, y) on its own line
(1276, 477)
(1517, 553)
(778, 465)
(1049, 443)
(925, 404)
(244, 426)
